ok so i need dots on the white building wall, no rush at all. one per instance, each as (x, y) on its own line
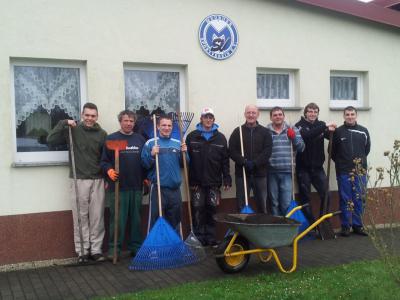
(272, 34)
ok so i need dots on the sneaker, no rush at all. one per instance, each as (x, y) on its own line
(98, 257)
(83, 259)
(345, 232)
(360, 231)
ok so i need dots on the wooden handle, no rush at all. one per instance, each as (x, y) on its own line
(157, 168)
(116, 207)
(244, 171)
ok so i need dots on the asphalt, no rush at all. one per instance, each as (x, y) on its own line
(105, 279)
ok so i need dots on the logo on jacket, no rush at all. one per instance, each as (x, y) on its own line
(218, 36)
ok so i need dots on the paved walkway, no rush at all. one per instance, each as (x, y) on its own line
(105, 279)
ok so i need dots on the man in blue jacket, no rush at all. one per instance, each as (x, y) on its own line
(208, 171)
(130, 177)
(169, 151)
(351, 142)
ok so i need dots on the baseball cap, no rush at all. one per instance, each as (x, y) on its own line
(207, 111)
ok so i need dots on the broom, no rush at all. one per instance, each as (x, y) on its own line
(191, 241)
(162, 247)
(246, 209)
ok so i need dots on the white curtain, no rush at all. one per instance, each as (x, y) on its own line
(343, 88)
(152, 89)
(47, 87)
(272, 86)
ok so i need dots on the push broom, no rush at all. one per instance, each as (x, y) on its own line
(116, 146)
(191, 241)
(162, 248)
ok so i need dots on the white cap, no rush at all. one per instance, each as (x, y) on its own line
(207, 111)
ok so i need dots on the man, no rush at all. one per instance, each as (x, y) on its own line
(130, 181)
(88, 140)
(351, 142)
(169, 153)
(284, 139)
(257, 144)
(309, 163)
(208, 170)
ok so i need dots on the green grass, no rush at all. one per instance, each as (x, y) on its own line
(359, 280)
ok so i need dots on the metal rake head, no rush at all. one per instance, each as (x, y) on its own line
(186, 118)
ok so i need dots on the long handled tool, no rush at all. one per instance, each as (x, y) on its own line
(191, 241)
(325, 228)
(246, 209)
(162, 248)
(116, 146)
(78, 209)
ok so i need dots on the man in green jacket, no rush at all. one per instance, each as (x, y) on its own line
(88, 140)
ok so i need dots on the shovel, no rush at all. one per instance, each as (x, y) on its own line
(325, 228)
(116, 146)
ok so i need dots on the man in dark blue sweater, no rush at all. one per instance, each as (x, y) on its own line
(131, 175)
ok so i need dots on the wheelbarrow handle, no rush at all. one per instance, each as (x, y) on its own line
(294, 209)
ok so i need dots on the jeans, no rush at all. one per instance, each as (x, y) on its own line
(318, 179)
(171, 201)
(350, 199)
(259, 187)
(280, 192)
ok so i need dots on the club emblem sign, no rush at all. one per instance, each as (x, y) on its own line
(218, 36)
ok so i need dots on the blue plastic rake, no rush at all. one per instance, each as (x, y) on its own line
(162, 248)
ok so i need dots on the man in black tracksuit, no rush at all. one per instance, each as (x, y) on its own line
(208, 170)
(309, 163)
(257, 144)
(351, 141)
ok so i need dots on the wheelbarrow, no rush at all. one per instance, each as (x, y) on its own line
(260, 234)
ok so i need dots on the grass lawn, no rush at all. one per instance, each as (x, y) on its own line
(359, 280)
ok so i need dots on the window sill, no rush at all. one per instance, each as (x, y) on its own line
(288, 108)
(358, 108)
(38, 164)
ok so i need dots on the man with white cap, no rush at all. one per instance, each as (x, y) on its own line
(208, 170)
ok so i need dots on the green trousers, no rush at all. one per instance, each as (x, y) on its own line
(130, 204)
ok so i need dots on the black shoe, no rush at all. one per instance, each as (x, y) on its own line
(83, 259)
(360, 231)
(98, 257)
(345, 232)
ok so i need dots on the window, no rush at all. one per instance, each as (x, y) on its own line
(346, 88)
(275, 87)
(153, 89)
(43, 94)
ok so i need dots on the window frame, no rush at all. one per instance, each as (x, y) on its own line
(360, 100)
(267, 102)
(160, 68)
(42, 157)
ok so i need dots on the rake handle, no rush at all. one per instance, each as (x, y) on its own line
(116, 207)
(157, 168)
(328, 171)
(185, 173)
(244, 171)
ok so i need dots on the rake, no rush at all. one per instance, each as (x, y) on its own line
(162, 248)
(246, 209)
(191, 241)
(116, 146)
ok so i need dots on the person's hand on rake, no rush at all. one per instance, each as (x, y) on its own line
(155, 150)
(112, 174)
(183, 147)
(71, 123)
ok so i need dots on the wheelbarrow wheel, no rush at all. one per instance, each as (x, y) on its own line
(233, 264)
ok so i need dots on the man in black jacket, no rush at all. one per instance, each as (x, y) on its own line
(309, 163)
(257, 144)
(208, 170)
(351, 142)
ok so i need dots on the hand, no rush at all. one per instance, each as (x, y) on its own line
(71, 123)
(183, 147)
(226, 187)
(112, 174)
(249, 165)
(291, 134)
(331, 126)
(155, 150)
(146, 186)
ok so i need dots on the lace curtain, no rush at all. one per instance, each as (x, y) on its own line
(343, 88)
(47, 87)
(152, 90)
(272, 86)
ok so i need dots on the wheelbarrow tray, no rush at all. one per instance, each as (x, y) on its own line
(262, 230)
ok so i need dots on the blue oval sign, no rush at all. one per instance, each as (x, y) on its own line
(218, 36)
